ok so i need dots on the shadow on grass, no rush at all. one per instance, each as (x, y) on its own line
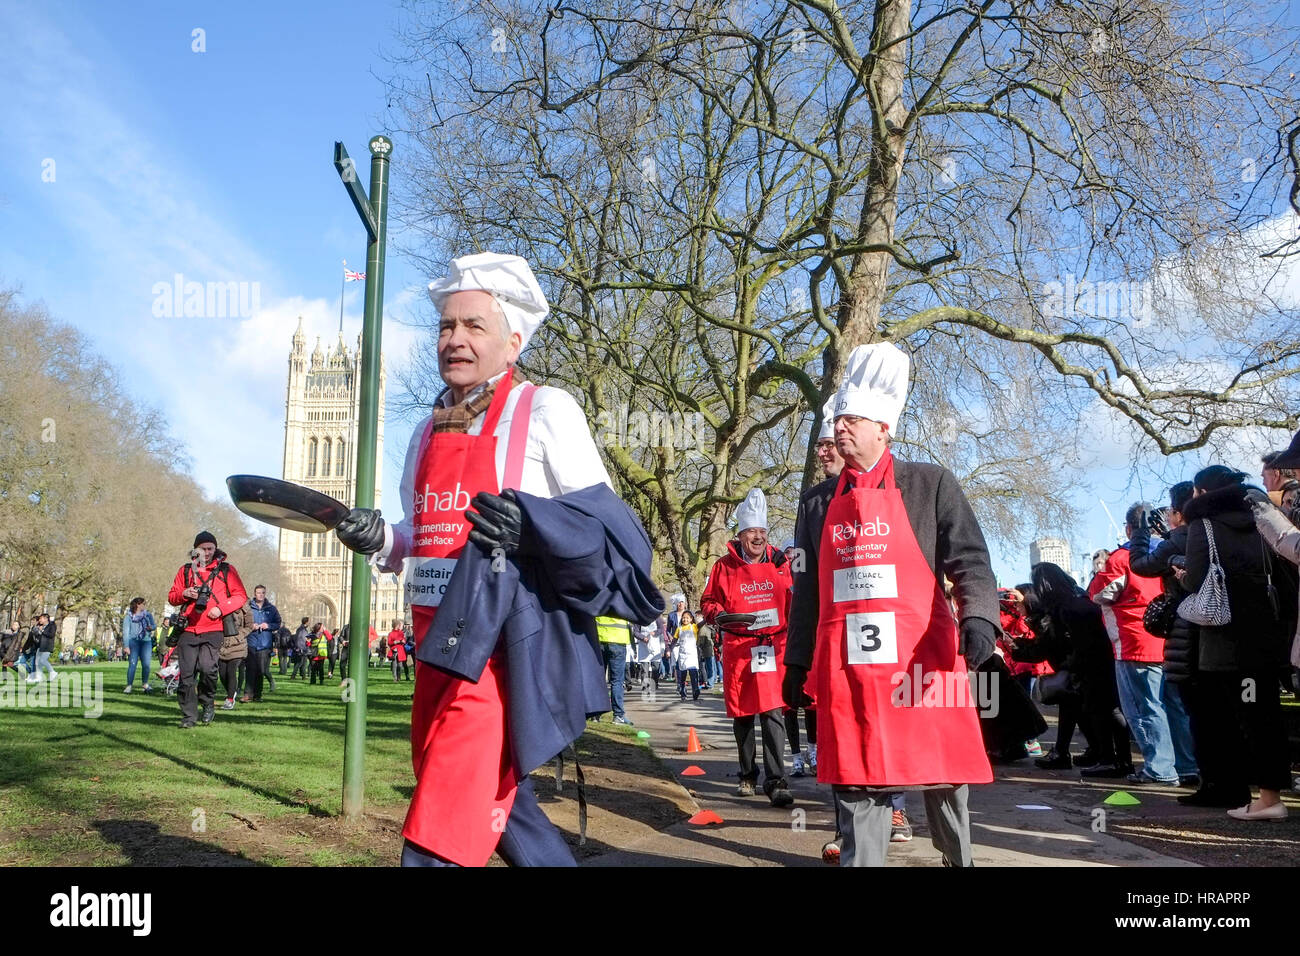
(144, 844)
(225, 778)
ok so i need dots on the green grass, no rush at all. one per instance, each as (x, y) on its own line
(263, 782)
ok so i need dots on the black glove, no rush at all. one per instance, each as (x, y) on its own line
(498, 521)
(1254, 496)
(975, 642)
(1158, 521)
(362, 530)
(792, 687)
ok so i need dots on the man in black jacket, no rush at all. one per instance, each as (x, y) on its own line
(951, 544)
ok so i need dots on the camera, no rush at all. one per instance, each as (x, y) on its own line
(201, 601)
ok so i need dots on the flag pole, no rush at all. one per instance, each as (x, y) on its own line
(343, 284)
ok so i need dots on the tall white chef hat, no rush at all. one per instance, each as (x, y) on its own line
(874, 384)
(510, 281)
(828, 420)
(752, 512)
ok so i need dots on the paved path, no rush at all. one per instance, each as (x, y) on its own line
(757, 834)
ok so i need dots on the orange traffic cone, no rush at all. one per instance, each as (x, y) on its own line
(704, 818)
(693, 743)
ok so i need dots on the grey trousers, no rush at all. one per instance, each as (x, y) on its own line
(864, 820)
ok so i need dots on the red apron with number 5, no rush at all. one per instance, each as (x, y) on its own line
(753, 662)
(894, 703)
(465, 779)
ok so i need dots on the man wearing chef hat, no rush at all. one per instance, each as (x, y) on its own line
(489, 434)
(869, 605)
(827, 454)
(747, 599)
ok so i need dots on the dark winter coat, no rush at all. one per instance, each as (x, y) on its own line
(945, 529)
(584, 555)
(1182, 641)
(1255, 639)
(44, 637)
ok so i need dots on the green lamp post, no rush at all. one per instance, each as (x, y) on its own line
(374, 216)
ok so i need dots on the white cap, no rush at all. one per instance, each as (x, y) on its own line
(510, 281)
(828, 420)
(752, 512)
(874, 384)
(678, 598)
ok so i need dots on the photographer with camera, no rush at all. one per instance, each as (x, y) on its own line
(207, 590)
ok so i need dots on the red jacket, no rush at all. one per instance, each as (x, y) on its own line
(397, 645)
(1015, 627)
(1124, 597)
(227, 594)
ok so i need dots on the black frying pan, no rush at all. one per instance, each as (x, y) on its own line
(284, 504)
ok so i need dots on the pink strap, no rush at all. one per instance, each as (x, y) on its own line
(518, 437)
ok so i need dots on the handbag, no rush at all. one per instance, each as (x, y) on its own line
(1208, 607)
(1054, 687)
(1158, 618)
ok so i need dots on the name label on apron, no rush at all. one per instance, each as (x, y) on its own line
(862, 583)
(872, 638)
(762, 659)
(427, 579)
(767, 617)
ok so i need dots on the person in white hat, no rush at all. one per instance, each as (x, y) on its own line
(827, 454)
(870, 617)
(747, 599)
(490, 433)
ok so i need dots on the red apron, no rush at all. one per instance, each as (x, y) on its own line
(894, 704)
(464, 778)
(753, 662)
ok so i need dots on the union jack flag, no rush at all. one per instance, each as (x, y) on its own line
(350, 276)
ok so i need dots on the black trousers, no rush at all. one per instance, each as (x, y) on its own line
(259, 668)
(318, 671)
(229, 671)
(343, 663)
(1103, 721)
(198, 667)
(300, 666)
(1244, 740)
(792, 728)
(773, 745)
(283, 657)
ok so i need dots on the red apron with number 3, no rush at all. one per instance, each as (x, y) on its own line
(465, 780)
(894, 703)
(753, 662)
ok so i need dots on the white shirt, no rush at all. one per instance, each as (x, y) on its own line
(560, 457)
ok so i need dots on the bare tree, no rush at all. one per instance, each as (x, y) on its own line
(1038, 200)
(95, 507)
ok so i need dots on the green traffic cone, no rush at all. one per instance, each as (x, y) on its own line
(1122, 798)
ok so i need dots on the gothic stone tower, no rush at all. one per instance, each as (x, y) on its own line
(322, 408)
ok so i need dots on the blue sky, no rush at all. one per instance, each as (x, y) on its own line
(217, 165)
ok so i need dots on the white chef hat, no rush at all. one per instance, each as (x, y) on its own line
(510, 281)
(828, 420)
(874, 384)
(752, 512)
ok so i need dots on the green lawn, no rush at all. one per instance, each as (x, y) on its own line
(261, 784)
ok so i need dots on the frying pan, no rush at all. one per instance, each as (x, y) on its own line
(284, 504)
